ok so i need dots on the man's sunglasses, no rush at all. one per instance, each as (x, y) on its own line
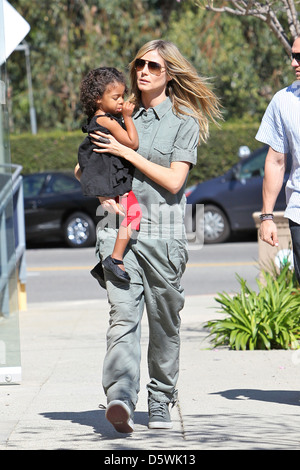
(296, 56)
(154, 67)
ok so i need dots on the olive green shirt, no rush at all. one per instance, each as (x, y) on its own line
(164, 138)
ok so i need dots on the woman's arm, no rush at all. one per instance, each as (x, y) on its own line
(171, 178)
(77, 172)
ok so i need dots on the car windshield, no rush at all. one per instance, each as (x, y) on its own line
(62, 184)
(253, 166)
(32, 185)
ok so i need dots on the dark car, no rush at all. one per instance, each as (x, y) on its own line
(55, 209)
(231, 199)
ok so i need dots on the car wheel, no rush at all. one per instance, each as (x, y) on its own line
(79, 230)
(216, 225)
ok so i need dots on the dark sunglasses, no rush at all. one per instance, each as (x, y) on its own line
(296, 56)
(154, 67)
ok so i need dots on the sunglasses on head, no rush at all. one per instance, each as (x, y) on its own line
(154, 67)
(296, 56)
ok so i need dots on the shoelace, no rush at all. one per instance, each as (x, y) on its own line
(158, 408)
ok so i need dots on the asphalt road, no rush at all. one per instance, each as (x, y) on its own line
(58, 273)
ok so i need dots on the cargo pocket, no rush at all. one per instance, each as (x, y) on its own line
(178, 257)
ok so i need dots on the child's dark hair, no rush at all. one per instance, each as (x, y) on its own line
(94, 85)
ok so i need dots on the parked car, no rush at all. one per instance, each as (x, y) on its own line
(231, 199)
(55, 208)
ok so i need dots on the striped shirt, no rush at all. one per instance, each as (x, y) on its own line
(280, 129)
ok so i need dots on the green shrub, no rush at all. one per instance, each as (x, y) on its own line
(57, 150)
(269, 319)
(54, 150)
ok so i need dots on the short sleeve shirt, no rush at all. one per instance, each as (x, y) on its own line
(280, 129)
(164, 138)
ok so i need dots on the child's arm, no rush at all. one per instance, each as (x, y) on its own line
(127, 111)
(128, 137)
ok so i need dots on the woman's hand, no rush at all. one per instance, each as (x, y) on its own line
(107, 144)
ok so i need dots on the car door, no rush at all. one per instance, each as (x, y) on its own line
(46, 198)
(246, 191)
(33, 186)
(58, 196)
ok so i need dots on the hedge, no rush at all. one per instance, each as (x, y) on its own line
(53, 150)
(57, 150)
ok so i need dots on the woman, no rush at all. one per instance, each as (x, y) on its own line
(173, 108)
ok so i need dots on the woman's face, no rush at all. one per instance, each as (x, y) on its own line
(147, 82)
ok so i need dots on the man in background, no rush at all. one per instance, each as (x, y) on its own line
(280, 129)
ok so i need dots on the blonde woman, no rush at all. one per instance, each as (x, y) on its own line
(173, 108)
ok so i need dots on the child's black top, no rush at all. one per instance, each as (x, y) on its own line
(103, 174)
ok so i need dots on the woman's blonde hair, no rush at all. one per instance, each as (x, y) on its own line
(188, 91)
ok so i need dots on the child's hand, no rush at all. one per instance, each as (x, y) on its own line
(111, 205)
(127, 109)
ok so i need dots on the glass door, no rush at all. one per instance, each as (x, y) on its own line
(10, 238)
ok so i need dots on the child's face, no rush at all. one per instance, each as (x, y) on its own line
(112, 99)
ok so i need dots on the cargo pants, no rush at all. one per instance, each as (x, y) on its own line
(155, 267)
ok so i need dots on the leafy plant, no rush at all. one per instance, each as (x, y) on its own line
(267, 319)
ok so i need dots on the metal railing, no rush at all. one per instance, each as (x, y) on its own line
(12, 231)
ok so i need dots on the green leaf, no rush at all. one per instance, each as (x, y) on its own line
(263, 320)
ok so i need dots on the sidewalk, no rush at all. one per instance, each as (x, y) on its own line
(228, 400)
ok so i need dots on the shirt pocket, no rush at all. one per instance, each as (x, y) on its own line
(162, 152)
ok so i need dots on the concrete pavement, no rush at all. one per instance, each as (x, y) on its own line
(227, 400)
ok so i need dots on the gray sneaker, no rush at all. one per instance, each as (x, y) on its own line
(159, 415)
(120, 414)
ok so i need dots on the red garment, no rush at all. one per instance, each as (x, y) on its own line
(133, 210)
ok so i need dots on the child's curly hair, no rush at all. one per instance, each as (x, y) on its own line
(94, 85)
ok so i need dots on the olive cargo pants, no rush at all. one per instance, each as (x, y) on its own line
(155, 267)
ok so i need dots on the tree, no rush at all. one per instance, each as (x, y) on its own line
(280, 16)
(245, 65)
(68, 38)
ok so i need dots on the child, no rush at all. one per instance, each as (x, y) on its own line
(105, 175)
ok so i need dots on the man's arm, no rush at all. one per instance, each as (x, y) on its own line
(273, 179)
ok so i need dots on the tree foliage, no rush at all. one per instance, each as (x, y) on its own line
(246, 63)
(69, 37)
(281, 16)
